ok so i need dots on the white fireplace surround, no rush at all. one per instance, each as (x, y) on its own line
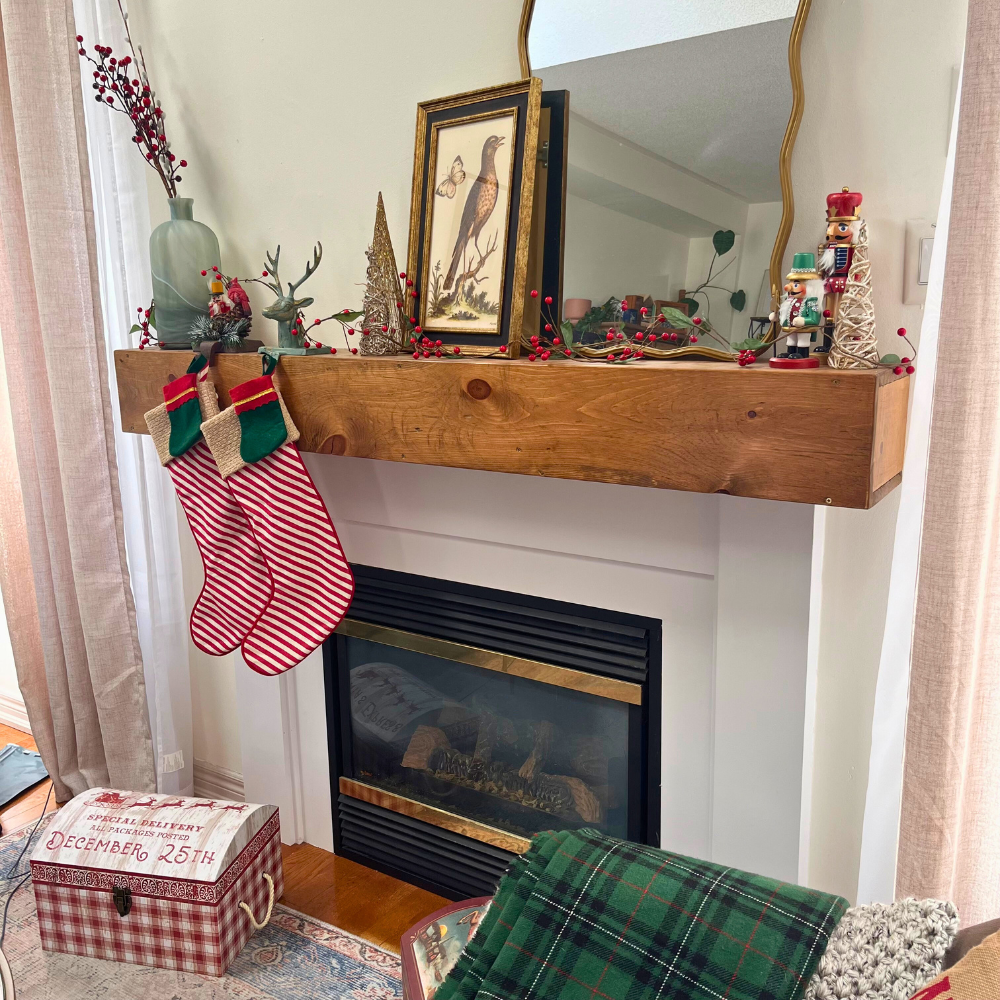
(728, 577)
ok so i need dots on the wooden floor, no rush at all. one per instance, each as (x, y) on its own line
(367, 903)
(28, 807)
(364, 902)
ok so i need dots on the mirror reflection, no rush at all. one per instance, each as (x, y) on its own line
(677, 115)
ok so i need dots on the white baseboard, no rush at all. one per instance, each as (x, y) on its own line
(13, 713)
(214, 782)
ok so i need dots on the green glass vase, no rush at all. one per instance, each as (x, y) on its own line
(179, 250)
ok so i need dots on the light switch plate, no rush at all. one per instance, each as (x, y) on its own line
(917, 260)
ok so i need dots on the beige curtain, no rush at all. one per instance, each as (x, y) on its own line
(63, 571)
(949, 844)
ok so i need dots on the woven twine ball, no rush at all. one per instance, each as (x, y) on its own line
(885, 951)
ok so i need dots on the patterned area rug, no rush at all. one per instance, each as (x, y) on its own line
(293, 958)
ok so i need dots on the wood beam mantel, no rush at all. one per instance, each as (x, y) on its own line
(820, 436)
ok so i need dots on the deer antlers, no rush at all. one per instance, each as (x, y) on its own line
(317, 257)
(272, 269)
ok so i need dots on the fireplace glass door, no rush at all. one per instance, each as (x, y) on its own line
(509, 752)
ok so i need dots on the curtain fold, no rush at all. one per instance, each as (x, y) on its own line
(880, 836)
(85, 692)
(949, 832)
(149, 505)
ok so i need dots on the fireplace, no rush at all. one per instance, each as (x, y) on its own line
(462, 720)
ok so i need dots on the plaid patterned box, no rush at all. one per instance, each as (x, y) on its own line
(181, 868)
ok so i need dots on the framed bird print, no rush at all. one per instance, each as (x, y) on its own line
(470, 218)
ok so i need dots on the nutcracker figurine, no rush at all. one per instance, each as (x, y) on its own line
(220, 305)
(837, 253)
(799, 312)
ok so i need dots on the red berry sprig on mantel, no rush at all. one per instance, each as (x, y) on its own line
(144, 321)
(556, 341)
(123, 85)
(423, 347)
(905, 364)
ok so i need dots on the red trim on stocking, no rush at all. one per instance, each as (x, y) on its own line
(250, 395)
(178, 392)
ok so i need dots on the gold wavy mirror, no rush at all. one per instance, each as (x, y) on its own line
(682, 120)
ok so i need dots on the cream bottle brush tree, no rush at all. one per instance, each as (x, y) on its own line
(854, 341)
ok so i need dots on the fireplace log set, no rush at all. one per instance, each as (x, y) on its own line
(564, 796)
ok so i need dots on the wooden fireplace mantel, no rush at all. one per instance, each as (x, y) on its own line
(821, 436)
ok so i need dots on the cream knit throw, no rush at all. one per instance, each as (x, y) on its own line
(885, 951)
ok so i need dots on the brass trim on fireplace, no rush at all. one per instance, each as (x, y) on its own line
(436, 817)
(546, 673)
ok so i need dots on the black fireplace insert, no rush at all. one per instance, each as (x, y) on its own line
(463, 720)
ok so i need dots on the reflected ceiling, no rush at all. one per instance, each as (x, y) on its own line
(716, 105)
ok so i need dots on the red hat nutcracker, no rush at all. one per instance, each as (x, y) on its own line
(836, 253)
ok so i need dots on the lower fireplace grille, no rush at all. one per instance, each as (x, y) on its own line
(443, 862)
(463, 720)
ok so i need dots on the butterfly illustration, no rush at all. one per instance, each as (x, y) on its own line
(456, 176)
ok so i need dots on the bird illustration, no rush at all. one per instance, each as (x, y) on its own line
(479, 205)
(238, 297)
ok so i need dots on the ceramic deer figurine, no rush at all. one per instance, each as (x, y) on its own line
(285, 309)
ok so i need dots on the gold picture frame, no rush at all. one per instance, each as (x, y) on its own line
(474, 300)
(784, 170)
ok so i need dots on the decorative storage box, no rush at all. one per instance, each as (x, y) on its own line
(156, 879)
(430, 948)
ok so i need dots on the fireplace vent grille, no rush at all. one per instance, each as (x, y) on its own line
(443, 862)
(485, 619)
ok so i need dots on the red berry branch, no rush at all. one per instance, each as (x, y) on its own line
(904, 364)
(628, 346)
(145, 320)
(123, 85)
(345, 317)
(423, 346)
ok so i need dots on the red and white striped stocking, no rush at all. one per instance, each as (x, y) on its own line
(237, 585)
(254, 446)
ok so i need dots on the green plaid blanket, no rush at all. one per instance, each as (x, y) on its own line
(584, 917)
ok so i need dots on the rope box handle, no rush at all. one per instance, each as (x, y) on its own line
(270, 905)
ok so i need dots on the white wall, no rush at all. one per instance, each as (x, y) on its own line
(881, 127)
(625, 165)
(763, 219)
(899, 54)
(700, 255)
(294, 116)
(747, 261)
(760, 682)
(608, 253)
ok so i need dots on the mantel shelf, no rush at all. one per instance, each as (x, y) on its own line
(819, 436)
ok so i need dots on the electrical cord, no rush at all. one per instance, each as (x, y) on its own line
(9, 875)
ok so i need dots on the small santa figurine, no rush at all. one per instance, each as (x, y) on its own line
(798, 313)
(843, 220)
